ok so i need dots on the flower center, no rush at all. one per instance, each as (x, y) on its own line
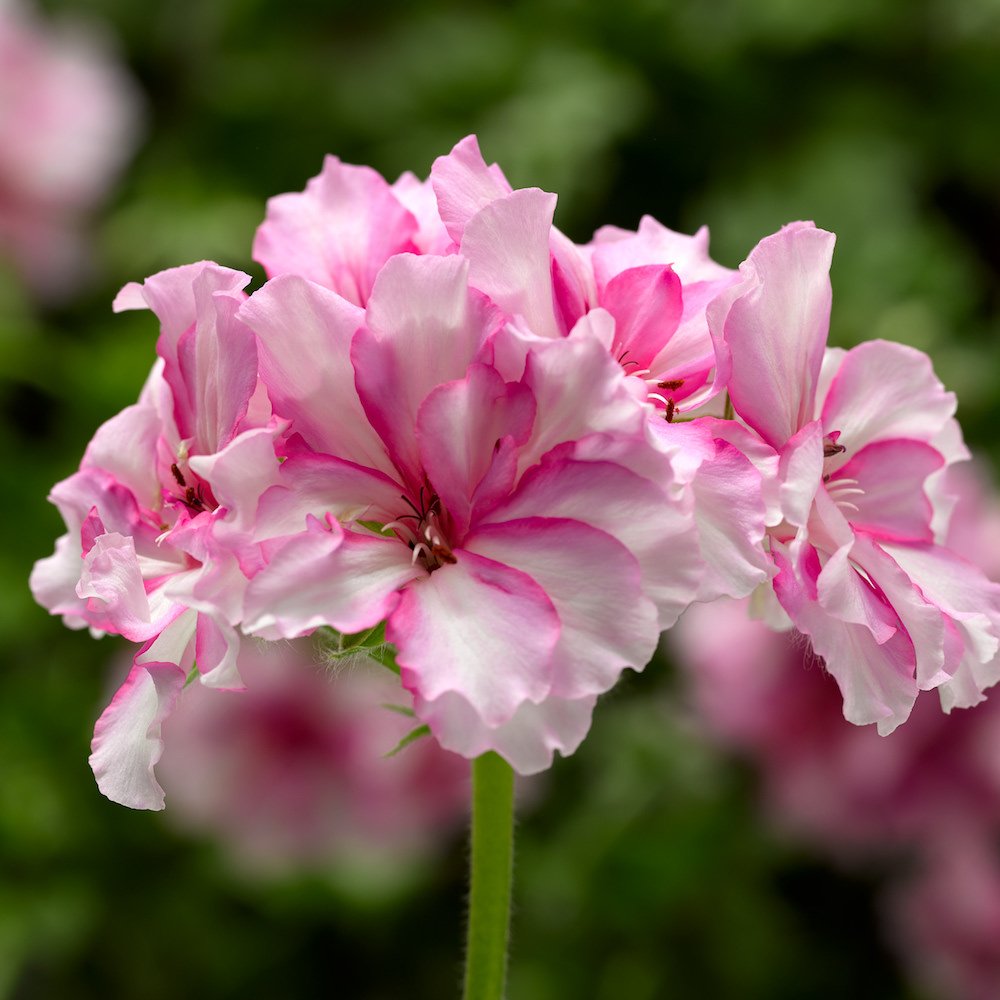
(423, 529)
(842, 488)
(191, 491)
(660, 391)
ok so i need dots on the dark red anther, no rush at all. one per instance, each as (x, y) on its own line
(672, 384)
(177, 475)
(831, 448)
(670, 411)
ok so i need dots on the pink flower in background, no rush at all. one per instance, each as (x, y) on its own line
(944, 920)
(853, 445)
(494, 513)
(156, 516)
(293, 772)
(69, 118)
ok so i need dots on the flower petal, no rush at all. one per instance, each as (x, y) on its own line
(127, 741)
(480, 629)
(338, 232)
(773, 326)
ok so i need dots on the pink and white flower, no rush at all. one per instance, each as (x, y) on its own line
(156, 517)
(494, 508)
(853, 445)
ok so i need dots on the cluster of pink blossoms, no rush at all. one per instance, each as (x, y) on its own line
(440, 414)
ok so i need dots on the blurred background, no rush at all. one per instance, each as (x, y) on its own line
(653, 863)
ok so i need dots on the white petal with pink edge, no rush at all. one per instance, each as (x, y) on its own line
(127, 742)
(595, 584)
(480, 629)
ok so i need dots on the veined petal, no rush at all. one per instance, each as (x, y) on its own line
(127, 741)
(774, 325)
(338, 232)
(480, 629)
(464, 184)
(876, 679)
(468, 433)
(646, 304)
(890, 476)
(885, 391)
(305, 336)
(603, 628)
(328, 577)
(425, 327)
(507, 246)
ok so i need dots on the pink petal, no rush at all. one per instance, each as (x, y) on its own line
(885, 391)
(53, 582)
(112, 583)
(480, 629)
(891, 475)
(527, 741)
(875, 679)
(507, 246)
(646, 304)
(595, 585)
(774, 326)
(305, 360)
(328, 577)
(800, 473)
(338, 232)
(972, 603)
(217, 647)
(127, 741)
(579, 390)
(632, 509)
(464, 184)
(468, 433)
(418, 198)
(217, 355)
(425, 326)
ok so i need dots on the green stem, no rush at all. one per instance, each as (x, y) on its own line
(492, 865)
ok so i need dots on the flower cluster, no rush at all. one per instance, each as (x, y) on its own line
(442, 420)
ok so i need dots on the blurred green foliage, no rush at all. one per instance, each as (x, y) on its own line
(643, 872)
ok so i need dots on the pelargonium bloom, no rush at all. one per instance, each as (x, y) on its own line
(651, 286)
(155, 515)
(502, 512)
(854, 445)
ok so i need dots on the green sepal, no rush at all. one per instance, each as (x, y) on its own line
(400, 710)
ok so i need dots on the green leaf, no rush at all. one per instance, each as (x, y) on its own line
(410, 737)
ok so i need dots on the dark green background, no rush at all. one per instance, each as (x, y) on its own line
(643, 872)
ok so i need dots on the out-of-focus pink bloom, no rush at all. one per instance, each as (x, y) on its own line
(157, 515)
(503, 512)
(293, 772)
(945, 919)
(68, 122)
(854, 445)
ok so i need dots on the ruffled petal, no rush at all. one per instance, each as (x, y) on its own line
(305, 336)
(773, 325)
(527, 741)
(480, 629)
(468, 433)
(884, 391)
(464, 184)
(127, 742)
(338, 232)
(326, 576)
(425, 327)
(605, 627)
